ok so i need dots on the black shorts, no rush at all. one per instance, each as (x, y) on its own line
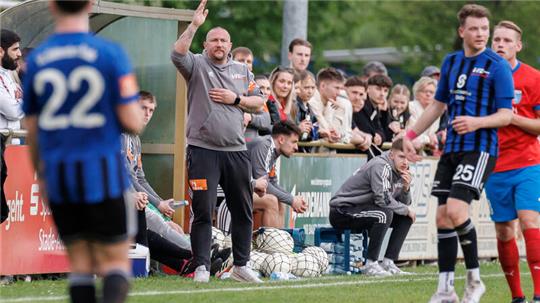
(110, 221)
(462, 175)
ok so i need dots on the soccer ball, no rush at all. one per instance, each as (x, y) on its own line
(306, 266)
(276, 262)
(273, 240)
(218, 236)
(256, 260)
(320, 255)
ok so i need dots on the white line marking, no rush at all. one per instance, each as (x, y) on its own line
(265, 286)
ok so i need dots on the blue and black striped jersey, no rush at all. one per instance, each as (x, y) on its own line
(474, 86)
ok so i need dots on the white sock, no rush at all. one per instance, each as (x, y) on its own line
(474, 273)
(388, 261)
(369, 262)
(446, 281)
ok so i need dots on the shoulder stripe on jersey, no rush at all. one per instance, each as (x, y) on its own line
(454, 105)
(464, 103)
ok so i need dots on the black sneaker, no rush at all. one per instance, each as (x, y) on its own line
(216, 266)
(216, 253)
(519, 300)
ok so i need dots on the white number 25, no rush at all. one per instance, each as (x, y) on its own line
(79, 115)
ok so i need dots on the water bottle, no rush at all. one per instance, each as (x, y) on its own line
(306, 134)
(279, 276)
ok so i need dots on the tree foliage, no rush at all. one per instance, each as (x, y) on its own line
(424, 31)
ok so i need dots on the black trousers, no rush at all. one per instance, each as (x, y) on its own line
(232, 170)
(4, 209)
(376, 220)
(161, 249)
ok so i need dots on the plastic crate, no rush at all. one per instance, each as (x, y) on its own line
(299, 237)
(340, 237)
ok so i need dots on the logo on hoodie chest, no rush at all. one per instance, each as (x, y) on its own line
(238, 77)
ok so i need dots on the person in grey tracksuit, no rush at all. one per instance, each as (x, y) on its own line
(375, 198)
(220, 90)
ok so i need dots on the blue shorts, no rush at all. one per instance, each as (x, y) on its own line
(513, 190)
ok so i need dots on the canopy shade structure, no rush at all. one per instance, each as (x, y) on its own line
(147, 35)
(33, 22)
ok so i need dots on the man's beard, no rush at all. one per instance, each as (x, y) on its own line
(8, 63)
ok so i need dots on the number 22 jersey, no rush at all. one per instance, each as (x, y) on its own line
(74, 83)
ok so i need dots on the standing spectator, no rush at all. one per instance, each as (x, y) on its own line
(10, 92)
(373, 68)
(258, 121)
(375, 198)
(78, 154)
(217, 96)
(399, 109)
(10, 103)
(281, 101)
(424, 92)
(370, 119)
(243, 55)
(476, 84)
(431, 72)
(356, 89)
(299, 54)
(323, 104)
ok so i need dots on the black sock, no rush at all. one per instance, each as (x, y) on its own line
(467, 238)
(376, 236)
(115, 286)
(82, 288)
(447, 246)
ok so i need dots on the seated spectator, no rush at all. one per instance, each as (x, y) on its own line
(301, 112)
(375, 198)
(132, 149)
(399, 109)
(243, 55)
(373, 68)
(281, 99)
(424, 93)
(264, 153)
(325, 103)
(370, 119)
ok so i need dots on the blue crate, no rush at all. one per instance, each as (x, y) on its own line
(343, 237)
(299, 237)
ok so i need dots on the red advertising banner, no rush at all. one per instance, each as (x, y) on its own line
(29, 243)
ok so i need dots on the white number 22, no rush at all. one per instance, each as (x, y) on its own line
(79, 115)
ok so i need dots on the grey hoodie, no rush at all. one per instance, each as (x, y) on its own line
(214, 125)
(376, 182)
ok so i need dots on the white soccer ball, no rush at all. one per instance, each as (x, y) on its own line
(218, 236)
(274, 240)
(320, 255)
(276, 262)
(306, 266)
(256, 260)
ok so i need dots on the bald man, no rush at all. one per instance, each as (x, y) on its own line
(219, 91)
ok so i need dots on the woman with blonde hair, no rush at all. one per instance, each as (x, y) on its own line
(399, 109)
(424, 93)
(280, 101)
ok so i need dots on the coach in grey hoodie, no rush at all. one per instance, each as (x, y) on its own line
(219, 91)
(376, 197)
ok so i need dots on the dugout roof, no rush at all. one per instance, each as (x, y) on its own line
(147, 34)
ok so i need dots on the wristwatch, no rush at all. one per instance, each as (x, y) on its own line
(237, 100)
